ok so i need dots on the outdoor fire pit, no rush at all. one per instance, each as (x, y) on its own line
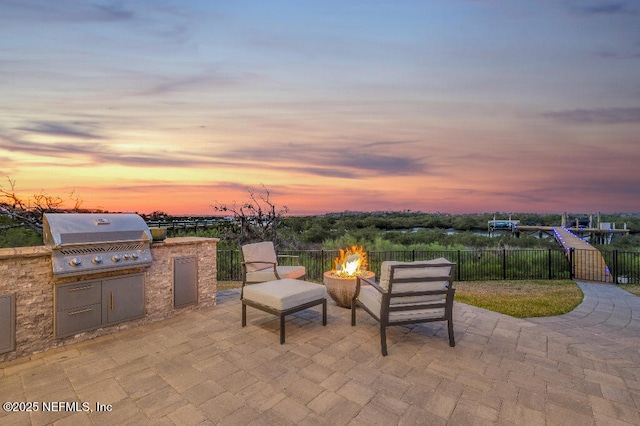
(341, 281)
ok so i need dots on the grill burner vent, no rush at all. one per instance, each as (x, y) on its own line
(101, 249)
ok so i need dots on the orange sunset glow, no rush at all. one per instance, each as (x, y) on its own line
(430, 106)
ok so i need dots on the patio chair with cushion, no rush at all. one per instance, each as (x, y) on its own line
(260, 264)
(408, 293)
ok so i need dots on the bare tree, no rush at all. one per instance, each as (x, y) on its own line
(31, 210)
(257, 219)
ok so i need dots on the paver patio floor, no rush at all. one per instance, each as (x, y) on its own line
(201, 367)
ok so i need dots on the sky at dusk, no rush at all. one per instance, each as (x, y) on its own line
(436, 106)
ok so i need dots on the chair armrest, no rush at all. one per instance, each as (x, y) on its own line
(371, 282)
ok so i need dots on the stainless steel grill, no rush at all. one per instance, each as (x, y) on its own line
(87, 243)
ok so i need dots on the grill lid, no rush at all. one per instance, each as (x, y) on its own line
(87, 243)
(66, 229)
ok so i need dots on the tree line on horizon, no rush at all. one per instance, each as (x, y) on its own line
(260, 218)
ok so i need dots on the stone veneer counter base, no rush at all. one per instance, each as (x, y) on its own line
(26, 272)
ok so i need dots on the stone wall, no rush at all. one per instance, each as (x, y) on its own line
(26, 272)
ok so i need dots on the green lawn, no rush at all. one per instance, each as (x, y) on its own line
(631, 288)
(521, 299)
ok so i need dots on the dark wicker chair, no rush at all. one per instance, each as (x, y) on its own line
(408, 293)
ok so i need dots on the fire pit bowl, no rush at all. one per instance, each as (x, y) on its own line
(342, 289)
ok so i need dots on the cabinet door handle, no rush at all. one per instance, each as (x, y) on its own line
(80, 312)
(87, 287)
(112, 301)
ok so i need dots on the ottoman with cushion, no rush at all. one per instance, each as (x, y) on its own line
(283, 297)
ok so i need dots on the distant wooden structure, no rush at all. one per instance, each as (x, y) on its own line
(588, 263)
(598, 236)
(583, 227)
(502, 225)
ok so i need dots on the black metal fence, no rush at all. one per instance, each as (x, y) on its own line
(473, 265)
(623, 266)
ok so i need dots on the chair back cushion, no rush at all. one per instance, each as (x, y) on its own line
(257, 252)
(415, 277)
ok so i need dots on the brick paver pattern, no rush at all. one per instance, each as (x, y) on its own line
(202, 367)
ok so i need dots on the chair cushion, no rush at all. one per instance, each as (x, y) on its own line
(263, 251)
(369, 297)
(284, 294)
(421, 270)
(267, 274)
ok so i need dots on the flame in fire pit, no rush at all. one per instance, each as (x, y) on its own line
(351, 262)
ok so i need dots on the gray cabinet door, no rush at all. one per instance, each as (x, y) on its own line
(122, 298)
(7, 323)
(185, 281)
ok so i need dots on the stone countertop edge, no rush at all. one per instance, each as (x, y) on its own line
(32, 251)
(37, 251)
(183, 240)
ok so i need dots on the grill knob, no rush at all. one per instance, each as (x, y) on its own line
(134, 256)
(76, 261)
(116, 258)
(125, 257)
(97, 260)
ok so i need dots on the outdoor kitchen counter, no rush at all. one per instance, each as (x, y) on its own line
(26, 273)
(184, 240)
(8, 253)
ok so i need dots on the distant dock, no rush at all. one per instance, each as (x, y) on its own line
(596, 236)
(587, 261)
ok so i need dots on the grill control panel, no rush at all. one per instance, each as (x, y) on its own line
(76, 262)
(83, 260)
(116, 258)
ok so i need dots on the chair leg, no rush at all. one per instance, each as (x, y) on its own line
(383, 339)
(282, 329)
(452, 341)
(353, 313)
(244, 315)
(324, 312)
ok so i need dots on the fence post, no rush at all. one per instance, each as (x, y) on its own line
(458, 268)
(549, 261)
(572, 273)
(504, 264)
(615, 266)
